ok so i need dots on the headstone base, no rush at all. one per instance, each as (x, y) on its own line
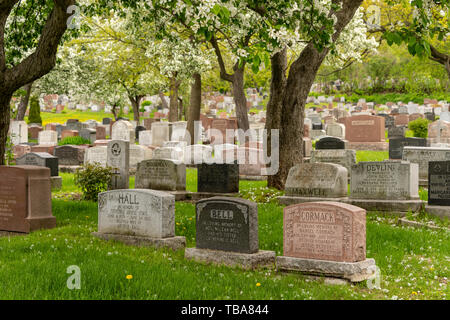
(289, 200)
(368, 146)
(56, 183)
(261, 259)
(252, 178)
(351, 271)
(187, 195)
(387, 205)
(174, 243)
(438, 211)
(423, 183)
(41, 223)
(416, 224)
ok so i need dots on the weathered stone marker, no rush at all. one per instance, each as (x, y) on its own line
(227, 232)
(439, 189)
(385, 186)
(326, 239)
(25, 199)
(118, 157)
(160, 174)
(138, 217)
(314, 181)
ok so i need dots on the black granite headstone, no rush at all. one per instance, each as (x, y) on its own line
(317, 126)
(137, 130)
(327, 143)
(396, 145)
(227, 224)
(106, 120)
(439, 183)
(218, 178)
(40, 159)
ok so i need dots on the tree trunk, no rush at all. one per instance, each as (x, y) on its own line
(22, 109)
(275, 106)
(240, 99)
(173, 109)
(180, 109)
(301, 78)
(195, 104)
(163, 100)
(5, 99)
(136, 103)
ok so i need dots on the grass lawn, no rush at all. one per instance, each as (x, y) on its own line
(414, 263)
(50, 117)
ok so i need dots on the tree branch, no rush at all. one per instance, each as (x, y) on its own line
(43, 59)
(223, 71)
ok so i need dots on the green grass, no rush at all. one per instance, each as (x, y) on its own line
(50, 117)
(371, 155)
(414, 263)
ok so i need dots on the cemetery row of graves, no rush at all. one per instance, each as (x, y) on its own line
(182, 221)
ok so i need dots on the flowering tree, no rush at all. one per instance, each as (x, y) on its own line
(30, 32)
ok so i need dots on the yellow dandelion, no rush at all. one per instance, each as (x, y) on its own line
(129, 277)
(258, 284)
(414, 293)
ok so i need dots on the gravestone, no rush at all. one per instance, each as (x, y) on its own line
(327, 143)
(69, 133)
(88, 134)
(138, 217)
(309, 181)
(33, 131)
(170, 153)
(118, 157)
(227, 224)
(70, 155)
(145, 138)
(391, 186)
(159, 174)
(227, 233)
(123, 130)
(138, 154)
(48, 138)
(439, 183)
(218, 178)
(25, 195)
(336, 130)
(364, 128)
(160, 133)
(326, 239)
(40, 159)
(345, 158)
(396, 132)
(96, 155)
(18, 131)
(396, 145)
(138, 130)
(422, 156)
(100, 132)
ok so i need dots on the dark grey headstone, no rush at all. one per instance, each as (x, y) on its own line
(137, 130)
(396, 132)
(317, 126)
(70, 155)
(430, 116)
(227, 224)
(218, 178)
(41, 159)
(328, 143)
(396, 145)
(439, 183)
(88, 134)
(106, 121)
